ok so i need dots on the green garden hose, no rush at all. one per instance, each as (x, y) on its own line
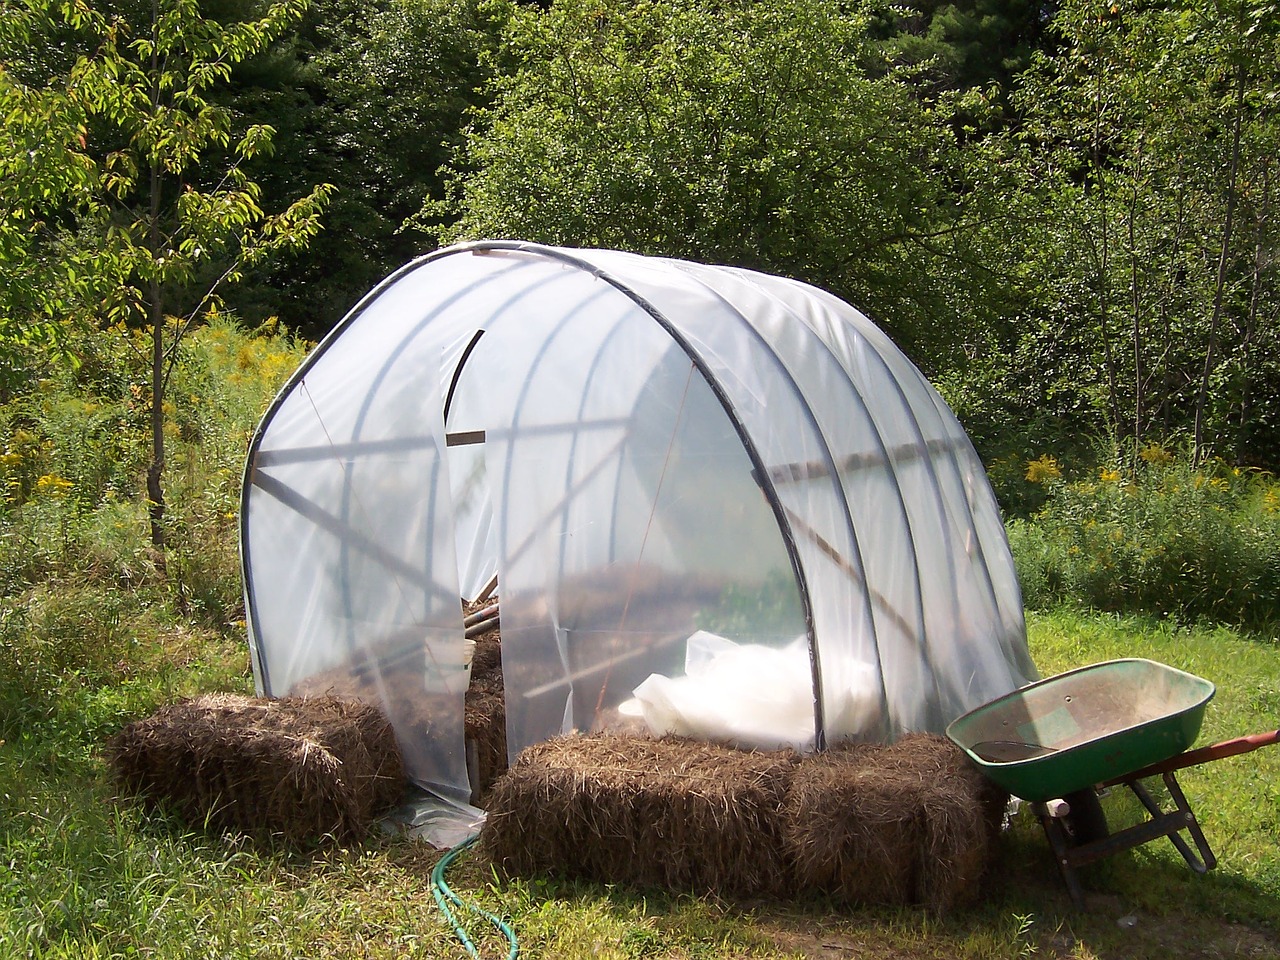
(444, 896)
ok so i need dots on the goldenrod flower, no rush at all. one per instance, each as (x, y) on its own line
(1043, 469)
(53, 485)
(1155, 454)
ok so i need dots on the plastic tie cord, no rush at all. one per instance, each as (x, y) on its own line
(444, 896)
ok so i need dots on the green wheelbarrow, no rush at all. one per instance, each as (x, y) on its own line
(1056, 742)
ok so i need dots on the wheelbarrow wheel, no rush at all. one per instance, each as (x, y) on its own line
(1086, 822)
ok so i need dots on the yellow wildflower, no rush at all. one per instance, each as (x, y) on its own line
(1155, 454)
(1271, 500)
(1109, 476)
(53, 485)
(1043, 469)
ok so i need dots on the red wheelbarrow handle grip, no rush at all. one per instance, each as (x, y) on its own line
(1217, 751)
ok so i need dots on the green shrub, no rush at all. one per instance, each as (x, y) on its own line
(1198, 543)
(221, 388)
(88, 623)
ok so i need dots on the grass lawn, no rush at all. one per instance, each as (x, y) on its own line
(83, 876)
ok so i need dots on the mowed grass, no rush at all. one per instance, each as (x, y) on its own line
(85, 875)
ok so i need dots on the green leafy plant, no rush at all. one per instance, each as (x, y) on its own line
(136, 207)
(92, 635)
(1170, 538)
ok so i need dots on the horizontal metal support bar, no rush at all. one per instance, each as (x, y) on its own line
(350, 450)
(819, 469)
(348, 535)
(344, 451)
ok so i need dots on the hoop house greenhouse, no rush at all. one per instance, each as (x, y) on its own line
(718, 501)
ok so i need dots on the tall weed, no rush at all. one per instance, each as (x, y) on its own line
(1171, 538)
(220, 390)
(84, 610)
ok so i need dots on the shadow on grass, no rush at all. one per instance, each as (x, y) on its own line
(1144, 903)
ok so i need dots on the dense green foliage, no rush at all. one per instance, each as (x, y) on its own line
(1144, 174)
(1193, 543)
(972, 43)
(767, 135)
(144, 181)
(90, 628)
(1063, 211)
(369, 97)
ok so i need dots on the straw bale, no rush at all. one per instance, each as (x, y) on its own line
(486, 714)
(295, 769)
(387, 677)
(393, 681)
(907, 823)
(670, 813)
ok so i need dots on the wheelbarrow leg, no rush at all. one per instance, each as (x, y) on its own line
(1062, 854)
(1072, 834)
(1201, 864)
(1071, 854)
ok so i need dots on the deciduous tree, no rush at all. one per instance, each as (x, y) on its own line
(1151, 140)
(747, 132)
(131, 203)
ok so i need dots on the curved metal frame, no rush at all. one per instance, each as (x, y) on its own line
(704, 369)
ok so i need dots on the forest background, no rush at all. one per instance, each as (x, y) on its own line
(1063, 212)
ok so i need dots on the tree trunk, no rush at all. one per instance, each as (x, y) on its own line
(155, 318)
(1215, 318)
(1251, 319)
(1135, 306)
(1104, 268)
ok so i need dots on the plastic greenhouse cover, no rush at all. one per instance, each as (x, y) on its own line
(670, 452)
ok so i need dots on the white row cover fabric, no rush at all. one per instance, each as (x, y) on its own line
(643, 451)
(749, 695)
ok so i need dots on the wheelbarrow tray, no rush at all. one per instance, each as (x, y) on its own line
(1084, 727)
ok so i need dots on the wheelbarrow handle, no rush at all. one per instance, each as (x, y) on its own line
(1217, 751)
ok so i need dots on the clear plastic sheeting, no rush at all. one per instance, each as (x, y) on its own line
(442, 823)
(698, 488)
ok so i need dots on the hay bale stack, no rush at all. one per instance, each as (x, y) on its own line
(486, 714)
(852, 830)
(670, 813)
(295, 769)
(908, 823)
